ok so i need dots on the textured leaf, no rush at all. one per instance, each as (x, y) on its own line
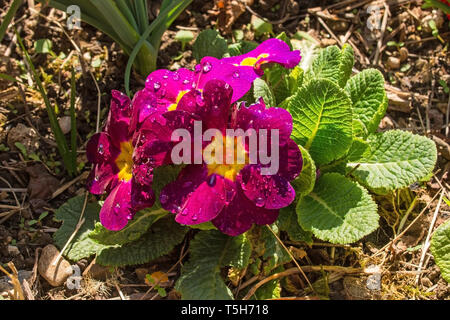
(274, 252)
(81, 245)
(262, 90)
(140, 223)
(288, 221)
(440, 247)
(162, 237)
(333, 64)
(309, 49)
(322, 120)
(304, 183)
(394, 159)
(209, 252)
(271, 289)
(338, 210)
(209, 43)
(366, 90)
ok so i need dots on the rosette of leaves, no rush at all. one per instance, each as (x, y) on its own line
(336, 117)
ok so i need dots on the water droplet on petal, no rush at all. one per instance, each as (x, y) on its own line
(194, 217)
(186, 81)
(207, 67)
(101, 150)
(212, 180)
(165, 76)
(163, 198)
(184, 212)
(236, 74)
(227, 86)
(259, 202)
(176, 76)
(156, 86)
(187, 184)
(96, 178)
(129, 216)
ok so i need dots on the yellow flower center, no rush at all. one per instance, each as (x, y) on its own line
(125, 161)
(174, 106)
(231, 163)
(250, 61)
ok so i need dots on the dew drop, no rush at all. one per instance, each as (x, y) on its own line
(163, 198)
(187, 184)
(259, 202)
(165, 76)
(212, 180)
(184, 213)
(186, 81)
(194, 217)
(96, 178)
(101, 150)
(227, 86)
(236, 74)
(156, 86)
(176, 77)
(207, 67)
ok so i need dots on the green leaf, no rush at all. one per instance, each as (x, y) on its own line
(394, 159)
(333, 64)
(210, 251)
(140, 223)
(22, 148)
(322, 120)
(209, 43)
(309, 48)
(338, 210)
(43, 46)
(162, 237)
(262, 90)
(440, 248)
(274, 252)
(288, 221)
(271, 289)
(81, 246)
(260, 27)
(305, 181)
(366, 90)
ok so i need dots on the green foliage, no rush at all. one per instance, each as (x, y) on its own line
(262, 90)
(338, 210)
(333, 64)
(209, 43)
(15, 5)
(184, 37)
(322, 119)
(209, 252)
(159, 240)
(43, 46)
(69, 213)
(394, 159)
(140, 223)
(440, 247)
(305, 181)
(274, 252)
(260, 26)
(366, 90)
(288, 221)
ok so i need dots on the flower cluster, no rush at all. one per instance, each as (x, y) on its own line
(139, 137)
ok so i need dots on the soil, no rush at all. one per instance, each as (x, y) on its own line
(413, 61)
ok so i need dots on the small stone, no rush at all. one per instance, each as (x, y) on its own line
(56, 274)
(97, 272)
(393, 63)
(403, 54)
(65, 124)
(141, 273)
(13, 251)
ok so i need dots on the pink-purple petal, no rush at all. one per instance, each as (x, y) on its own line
(102, 178)
(268, 191)
(100, 148)
(117, 209)
(291, 160)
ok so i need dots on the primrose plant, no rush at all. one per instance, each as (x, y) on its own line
(241, 148)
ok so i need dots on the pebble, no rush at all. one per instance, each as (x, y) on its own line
(141, 273)
(65, 124)
(13, 251)
(393, 63)
(57, 274)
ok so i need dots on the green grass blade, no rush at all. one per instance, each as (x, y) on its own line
(8, 17)
(56, 129)
(125, 9)
(73, 122)
(168, 14)
(141, 15)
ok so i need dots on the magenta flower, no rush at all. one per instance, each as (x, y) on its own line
(111, 153)
(232, 196)
(239, 72)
